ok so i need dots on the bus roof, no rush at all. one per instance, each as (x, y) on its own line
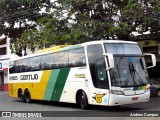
(110, 41)
(68, 47)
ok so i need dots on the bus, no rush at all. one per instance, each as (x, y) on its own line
(105, 73)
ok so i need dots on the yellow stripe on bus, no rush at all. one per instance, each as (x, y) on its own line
(53, 49)
(40, 88)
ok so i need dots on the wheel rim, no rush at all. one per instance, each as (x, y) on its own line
(20, 96)
(27, 97)
(83, 102)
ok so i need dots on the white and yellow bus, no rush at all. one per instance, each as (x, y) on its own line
(106, 73)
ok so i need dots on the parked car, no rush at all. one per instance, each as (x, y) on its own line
(155, 87)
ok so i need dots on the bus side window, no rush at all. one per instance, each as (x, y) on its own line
(102, 79)
(77, 57)
(55, 63)
(18, 66)
(26, 65)
(97, 66)
(47, 62)
(43, 60)
(61, 60)
(12, 67)
(35, 63)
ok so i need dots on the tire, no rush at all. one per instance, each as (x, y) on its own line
(84, 101)
(158, 93)
(20, 95)
(27, 96)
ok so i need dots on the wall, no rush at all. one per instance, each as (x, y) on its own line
(4, 60)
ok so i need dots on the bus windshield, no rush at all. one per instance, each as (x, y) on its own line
(127, 73)
(130, 69)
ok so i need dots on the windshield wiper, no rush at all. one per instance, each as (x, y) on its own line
(118, 66)
(133, 72)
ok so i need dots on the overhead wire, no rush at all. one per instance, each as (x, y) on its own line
(20, 12)
(17, 16)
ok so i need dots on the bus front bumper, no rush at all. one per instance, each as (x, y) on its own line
(122, 99)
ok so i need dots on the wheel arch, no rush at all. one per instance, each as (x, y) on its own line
(78, 95)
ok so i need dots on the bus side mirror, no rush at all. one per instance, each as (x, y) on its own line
(110, 60)
(153, 59)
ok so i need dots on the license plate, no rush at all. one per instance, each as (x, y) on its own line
(134, 98)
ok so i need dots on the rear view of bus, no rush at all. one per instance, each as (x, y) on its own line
(119, 66)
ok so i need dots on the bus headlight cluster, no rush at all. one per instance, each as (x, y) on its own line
(148, 89)
(117, 92)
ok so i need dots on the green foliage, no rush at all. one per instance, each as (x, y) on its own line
(20, 13)
(76, 21)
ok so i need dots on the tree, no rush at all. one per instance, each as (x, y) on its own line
(114, 19)
(76, 21)
(18, 16)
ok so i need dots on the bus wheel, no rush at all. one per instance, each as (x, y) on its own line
(20, 95)
(27, 96)
(84, 101)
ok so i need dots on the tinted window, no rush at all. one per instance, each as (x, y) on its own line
(128, 72)
(61, 59)
(122, 48)
(18, 67)
(26, 65)
(35, 63)
(101, 74)
(97, 66)
(47, 62)
(11, 67)
(77, 57)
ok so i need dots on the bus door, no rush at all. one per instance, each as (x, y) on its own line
(99, 89)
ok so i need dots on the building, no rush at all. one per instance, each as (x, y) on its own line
(4, 64)
(150, 43)
(5, 56)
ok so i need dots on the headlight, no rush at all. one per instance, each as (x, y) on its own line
(148, 89)
(117, 92)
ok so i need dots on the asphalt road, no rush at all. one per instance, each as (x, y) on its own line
(71, 110)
